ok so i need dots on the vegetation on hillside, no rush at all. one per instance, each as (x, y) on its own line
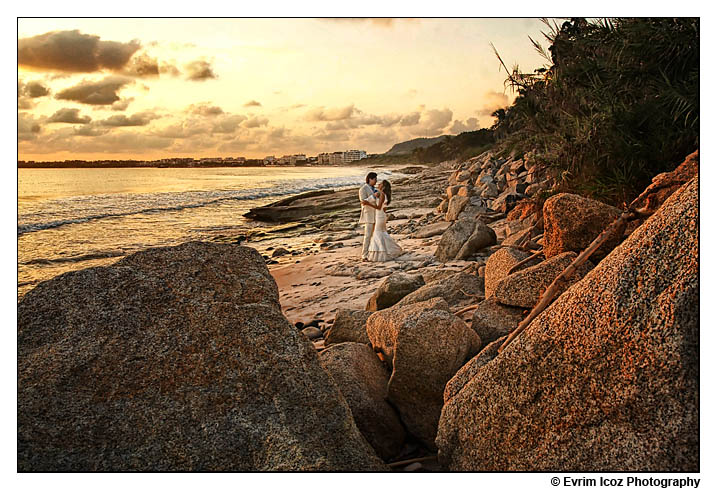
(461, 146)
(616, 103)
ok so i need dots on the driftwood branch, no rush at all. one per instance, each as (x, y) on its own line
(551, 291)
(524, 261)
(520, 248)
(466, 309)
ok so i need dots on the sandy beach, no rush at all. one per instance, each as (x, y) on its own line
(321, 271)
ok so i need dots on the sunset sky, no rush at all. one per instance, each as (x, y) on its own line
(155, 88)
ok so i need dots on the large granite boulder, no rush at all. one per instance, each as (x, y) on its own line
(572, 222)
(348, 326)
(452, 240)
(471, 368)
(463, 238)
(491, 320)
(362, 379)
(175, 359)
(526, 286)
(500, 263)
(395, 287)
(483, 236)
(425, 345)
(606, 378)
(456, 289)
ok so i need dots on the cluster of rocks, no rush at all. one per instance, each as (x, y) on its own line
(180, 358)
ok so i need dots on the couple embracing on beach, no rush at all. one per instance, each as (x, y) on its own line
(378, 245)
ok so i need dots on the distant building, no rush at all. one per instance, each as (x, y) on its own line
(292, 159)
(353, 155)
(270, 160)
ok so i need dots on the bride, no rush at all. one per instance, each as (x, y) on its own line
(382, 246)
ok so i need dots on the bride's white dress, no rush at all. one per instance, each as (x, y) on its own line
(382, 247)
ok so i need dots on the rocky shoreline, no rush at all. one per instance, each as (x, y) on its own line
(213, 356)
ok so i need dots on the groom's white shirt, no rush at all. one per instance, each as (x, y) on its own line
(368, 214)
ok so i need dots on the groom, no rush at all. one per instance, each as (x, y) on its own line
(368, 213)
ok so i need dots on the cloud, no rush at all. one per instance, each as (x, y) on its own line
(27, 127)
(228, 123)
(471, 124)
(35, 89)
(142, 65)
(72, 51)
(69, 115)
(252, 103)
(124, 141)
(204, 109)
(491, 102)
(256, 122)
(182, 129)
(103, 92)
(334, 114)
(25, 103)
(169, 69)
(199, 70)
(122, 104)
(434, 121)
(89, 130)
(410, 119)
(139, 119)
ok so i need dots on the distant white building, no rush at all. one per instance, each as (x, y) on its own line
(353, 155)
(270, 160)
(292, 159)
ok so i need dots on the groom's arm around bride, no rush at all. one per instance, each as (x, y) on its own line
(368, 212)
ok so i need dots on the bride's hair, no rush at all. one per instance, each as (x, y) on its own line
(386, 189)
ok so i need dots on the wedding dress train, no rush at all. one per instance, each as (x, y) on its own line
(382, 247)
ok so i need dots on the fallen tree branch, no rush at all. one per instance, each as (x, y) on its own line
(466, 309)
(521, 263)
(551, 291)
(631, 213)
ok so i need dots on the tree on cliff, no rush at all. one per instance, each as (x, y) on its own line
(616, 102)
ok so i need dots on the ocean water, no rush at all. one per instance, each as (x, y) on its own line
(70, 219)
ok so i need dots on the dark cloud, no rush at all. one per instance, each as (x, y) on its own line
(35, 89)
(139, 119)
(69, 115)
(142, 65)
(199, 70)
(103, 92)
(333, 114)
(205, 110)
(72, 51)
(28, 128)
(252, 103)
